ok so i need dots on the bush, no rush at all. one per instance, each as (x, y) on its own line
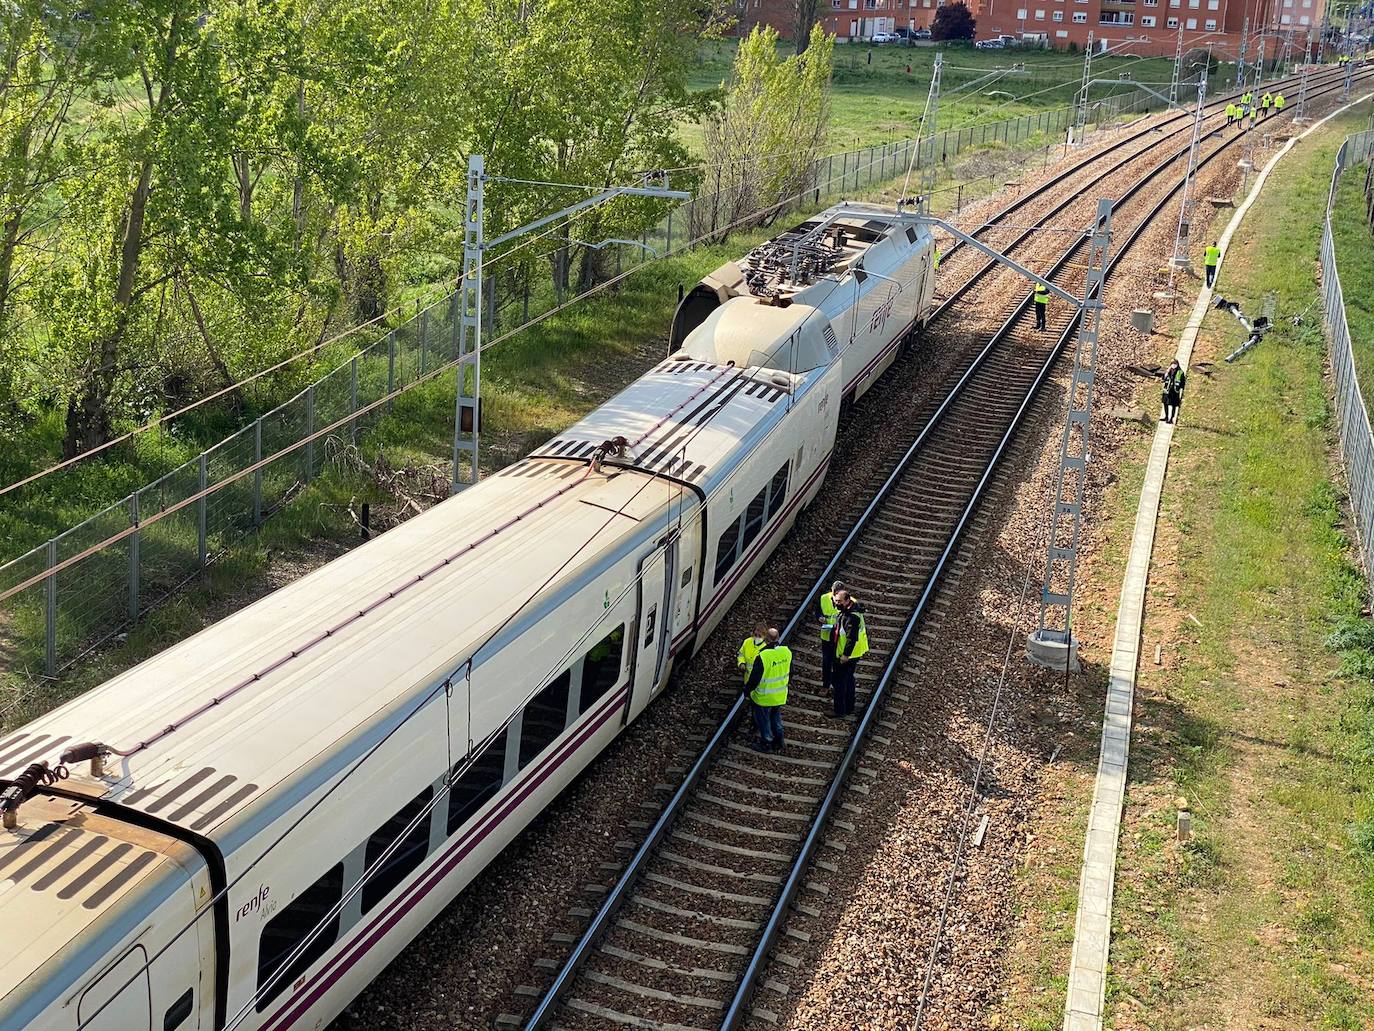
(953, 21)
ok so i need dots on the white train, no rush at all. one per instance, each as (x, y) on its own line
(196, 863)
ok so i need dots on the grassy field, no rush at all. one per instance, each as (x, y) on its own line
(1260, 718)
(1355, 259)
(881, 100)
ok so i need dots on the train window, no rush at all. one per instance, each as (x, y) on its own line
(725, 549)
(178, 1011)
(777, 491)
(479, 784)
(601, 668)
(409, 852)
(544, 718)
(753, 519)
(285, 932)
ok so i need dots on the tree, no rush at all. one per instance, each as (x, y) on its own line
(762, 143)
(953, 21)
(806, 15)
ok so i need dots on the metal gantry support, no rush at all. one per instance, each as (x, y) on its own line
(1185, 211)
(468, 392)
(1240, 58)
(1080, 122)
(1349, 75)
(1052, 644)
(467, 416)
(929, 164)
(1178, 66)
(1299, 115)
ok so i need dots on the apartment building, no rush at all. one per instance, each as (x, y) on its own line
(1275, 28)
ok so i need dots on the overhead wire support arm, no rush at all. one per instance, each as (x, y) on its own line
(468, 299)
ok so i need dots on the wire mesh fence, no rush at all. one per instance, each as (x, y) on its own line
(64, 614)
(1352, 417)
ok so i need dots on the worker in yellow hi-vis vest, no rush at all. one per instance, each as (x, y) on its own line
(1042, 303)
(767, 687)
(826, 611)
(1211, 258)
(750, 648)
(851, 645)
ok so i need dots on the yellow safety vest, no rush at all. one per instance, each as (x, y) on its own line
(777, 666)
(829, 610)
(748, 652)
(860, 643)
(1278, 102)
(1266, 100)
(1042, 294)
(1211, 256)
(937, 259)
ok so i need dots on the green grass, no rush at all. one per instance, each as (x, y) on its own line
(1268, 733)
(872, 103)
(1354, 241)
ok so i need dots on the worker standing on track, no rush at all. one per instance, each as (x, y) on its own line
(767, 687)
(1174, 382)
(851, 645)
(1210, 258)
(1254, 115)
(1278, 103)
(749, 650)
(1042, 301)
(827, 612)
(1265, 102)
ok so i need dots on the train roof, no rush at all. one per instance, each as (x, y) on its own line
(339, 649)
(687, 418)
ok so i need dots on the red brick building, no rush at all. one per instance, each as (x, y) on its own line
(1134, 27)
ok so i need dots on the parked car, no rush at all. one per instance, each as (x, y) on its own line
(885, 37)
(920, 34)
(989, 44)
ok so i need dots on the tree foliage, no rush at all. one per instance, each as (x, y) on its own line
(763, 140)
(953, 21)
(191, 189)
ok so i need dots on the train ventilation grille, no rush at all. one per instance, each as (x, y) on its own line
(73, 863)
(831, 338)
(204, 795)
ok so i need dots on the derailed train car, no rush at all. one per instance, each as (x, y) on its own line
(245, 829)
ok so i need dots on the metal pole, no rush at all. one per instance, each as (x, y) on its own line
(50, 612)
(1052, 644)
(424, 341)
(1240, 58)
(353, 398)
(390, 366)
(310, 431)
(468, 386)
(1298, 118)
(928, 176)
(1081, 118)
(257, 474)
(1178, 66)
(1185, 211)
(201, 537)
(133, 556)
(1349, 77)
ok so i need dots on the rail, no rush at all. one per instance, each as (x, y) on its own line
(603, 919)
(67, 614)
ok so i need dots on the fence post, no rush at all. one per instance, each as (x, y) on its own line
(310, 432)
(133, 557)
(667, 249)
(257, 473)
(424, 343)
(353, 399)
(50, 612)
(391, 365)
(202, 505)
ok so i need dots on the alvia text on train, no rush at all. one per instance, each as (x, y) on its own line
(184, 845)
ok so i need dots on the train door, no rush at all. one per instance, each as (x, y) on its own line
(157, 984)
(657, 571)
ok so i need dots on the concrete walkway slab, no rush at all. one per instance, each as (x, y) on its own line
(1088, 966)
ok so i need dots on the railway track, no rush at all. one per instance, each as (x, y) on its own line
(683, 940)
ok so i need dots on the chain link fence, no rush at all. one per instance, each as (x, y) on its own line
(120, 568)
(1352, 417)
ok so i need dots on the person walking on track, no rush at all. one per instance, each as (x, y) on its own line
(1265, 102)
(1278, 103)
(749, 650)
(767, 687)
(851, 645)
(1210, 258)
(827, 611)
(1042, 301)
(1174, 381)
